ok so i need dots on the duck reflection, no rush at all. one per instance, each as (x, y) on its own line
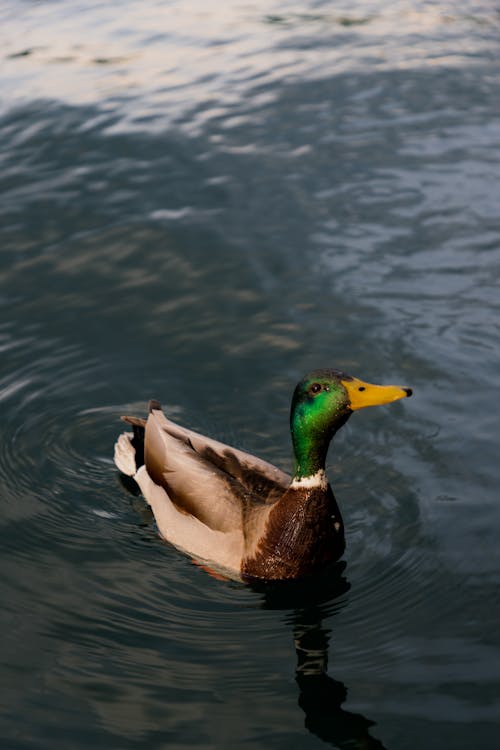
(320, 696)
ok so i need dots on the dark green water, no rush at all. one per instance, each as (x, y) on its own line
(200, 205)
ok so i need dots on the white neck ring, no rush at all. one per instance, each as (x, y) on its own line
(318, 480)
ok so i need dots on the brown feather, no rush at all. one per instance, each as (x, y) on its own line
(303, 533)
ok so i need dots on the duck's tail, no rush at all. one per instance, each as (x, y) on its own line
(129, 448)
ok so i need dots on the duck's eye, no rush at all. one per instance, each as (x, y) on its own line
(315, 388)
(361, 388)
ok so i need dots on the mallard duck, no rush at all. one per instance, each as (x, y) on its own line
(236, 513)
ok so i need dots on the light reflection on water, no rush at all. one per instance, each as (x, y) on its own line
(199, 205)
(163, 59)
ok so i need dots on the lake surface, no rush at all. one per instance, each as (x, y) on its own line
(199, 205)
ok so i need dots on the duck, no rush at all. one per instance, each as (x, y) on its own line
(237, 515)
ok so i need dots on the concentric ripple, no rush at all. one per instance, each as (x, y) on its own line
(60, 482)
(84, 563)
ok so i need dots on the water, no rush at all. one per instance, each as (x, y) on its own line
(199, 205)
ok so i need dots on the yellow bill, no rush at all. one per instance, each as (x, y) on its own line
(363, 394)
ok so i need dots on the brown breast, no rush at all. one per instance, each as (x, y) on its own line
(304, 533)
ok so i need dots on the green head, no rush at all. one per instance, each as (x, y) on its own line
(322, 402)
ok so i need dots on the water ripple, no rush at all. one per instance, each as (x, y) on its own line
(55, 463)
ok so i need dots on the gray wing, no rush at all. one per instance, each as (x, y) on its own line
(256, 475)
(206, 478)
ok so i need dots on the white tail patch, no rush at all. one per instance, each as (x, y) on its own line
(314, 480)
(125, 454)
